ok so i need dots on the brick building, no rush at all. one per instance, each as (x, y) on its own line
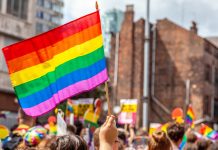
(126, 72)
(179, 54)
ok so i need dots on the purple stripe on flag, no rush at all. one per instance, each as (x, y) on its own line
(67, 92)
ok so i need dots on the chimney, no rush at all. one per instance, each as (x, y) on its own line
(129, 8)
(194, 28)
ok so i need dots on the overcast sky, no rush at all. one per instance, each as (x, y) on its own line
(182, 12)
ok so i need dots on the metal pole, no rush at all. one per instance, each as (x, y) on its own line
(146, 89)
(187, 97)
(116, 67)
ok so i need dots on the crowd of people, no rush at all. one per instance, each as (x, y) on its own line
(108, 137)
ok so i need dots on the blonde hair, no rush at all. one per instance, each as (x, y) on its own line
(159, 141)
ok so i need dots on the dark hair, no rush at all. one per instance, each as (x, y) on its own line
(71, 129)
(176, 131)
(122, 136)
(69, 142)
(191, 137)
(202, 144)
(79, 127)
(190, 146)
(159, 141)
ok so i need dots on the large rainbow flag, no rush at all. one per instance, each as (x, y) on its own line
(63, 62)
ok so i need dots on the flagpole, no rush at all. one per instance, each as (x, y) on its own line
(108, 100)
(106, 85)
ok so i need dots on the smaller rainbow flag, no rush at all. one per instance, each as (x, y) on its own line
(69, 108)
(190, 116)
(208, 132)
(91, 118)
(184, 141)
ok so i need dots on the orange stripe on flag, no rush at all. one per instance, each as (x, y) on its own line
(48, 53)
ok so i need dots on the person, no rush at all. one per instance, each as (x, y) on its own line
(159, 141)
(69, 142)
(175, 132)
(46, 142)
(71, 129)
(191, 139)
(213, 146)
(203, 144)
(190, 146)
(122, 138)
(96, 139)
(108, 134)
(79, 128)
(107, 137)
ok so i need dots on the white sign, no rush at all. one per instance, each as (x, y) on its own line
(61, 125)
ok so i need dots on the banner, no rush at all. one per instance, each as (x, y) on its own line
(128, 111)
(61, 125)
(80, 106)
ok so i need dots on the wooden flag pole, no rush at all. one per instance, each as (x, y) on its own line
(96, 5)
(106, 85)
(108, 100)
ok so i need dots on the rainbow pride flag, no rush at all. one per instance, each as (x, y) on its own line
(183, 143)
(208, 132)
(63, 62)
(190, 117)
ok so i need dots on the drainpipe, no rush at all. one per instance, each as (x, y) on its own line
(116, 66)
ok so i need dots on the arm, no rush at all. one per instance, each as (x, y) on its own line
(108, 134)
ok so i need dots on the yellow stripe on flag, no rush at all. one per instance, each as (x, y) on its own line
(33, 72)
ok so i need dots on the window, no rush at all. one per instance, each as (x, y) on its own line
(207, 48)
(208, 73)
(216, 80)
(216, 107)
(4, 65)
(48, 4)
(207, 105)
(39, 28)
(47, 16)
(39, 14)
(17, 8)
(40, 2)
(7, 41)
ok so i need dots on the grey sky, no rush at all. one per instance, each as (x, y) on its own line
(182, 12)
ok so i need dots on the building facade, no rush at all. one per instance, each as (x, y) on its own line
(126, 60)
(111, 23)
(177, 56)
(181, 55)
(49, 14)
(19, 20)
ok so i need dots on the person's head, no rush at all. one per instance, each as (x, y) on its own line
(176, 132)
(79, 127)
(122, 136)
(213, 146)
(25, 119)
(202, 144)
(191, 137)
(69, 142)
(159, 141)
(71, 129)
(190, 146)
(96, 139)
(46, 142)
